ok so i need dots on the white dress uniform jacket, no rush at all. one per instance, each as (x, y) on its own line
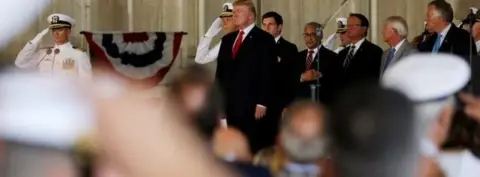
(57, 60)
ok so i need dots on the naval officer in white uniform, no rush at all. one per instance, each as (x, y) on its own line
(61, 59)
(224, 23)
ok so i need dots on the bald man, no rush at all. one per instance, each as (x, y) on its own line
(231, 145)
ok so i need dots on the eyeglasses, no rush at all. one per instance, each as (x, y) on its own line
(309, 34)
(353, 25)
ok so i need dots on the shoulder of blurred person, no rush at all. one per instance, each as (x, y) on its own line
(271, 158)
(249, 170)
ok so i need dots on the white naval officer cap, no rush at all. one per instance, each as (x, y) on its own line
(43, 111)
(430, 80)
(428, 77)
(341, 25)
(60, 21)
(474, 10)
(227, 10)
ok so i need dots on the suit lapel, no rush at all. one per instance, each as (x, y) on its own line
(303, 60)
(384, 59)
(446, 44)
(399, 53)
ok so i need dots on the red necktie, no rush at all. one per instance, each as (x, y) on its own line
(237, 44)
(309, 59)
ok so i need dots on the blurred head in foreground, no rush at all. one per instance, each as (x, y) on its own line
(303, 138)
(201, 100)
(431, 81)
(373, 133)
(12, 11)
(151, 140)
(42, 118)
(230, 144)
(302, 132)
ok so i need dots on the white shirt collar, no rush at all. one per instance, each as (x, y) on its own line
(315, 50)
(397, 47)
(248, 29)
(62, 46)
(357, 45)
(478, 45)
(277, 38)
(445, 31)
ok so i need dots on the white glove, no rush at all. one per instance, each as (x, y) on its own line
(330, 42)
(39, 36)
(215, 28)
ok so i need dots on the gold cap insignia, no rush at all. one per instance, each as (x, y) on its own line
(340, 25)
(55, 19)
(68, 64)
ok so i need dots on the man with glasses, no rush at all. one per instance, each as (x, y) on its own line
(362, 58)
(317, 63)
(63, 58)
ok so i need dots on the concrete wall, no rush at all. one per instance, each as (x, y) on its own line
(195, 17)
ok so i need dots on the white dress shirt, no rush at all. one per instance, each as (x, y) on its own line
(444, 33)
(315, 52)
(277, 38)
(245, 33)
(397, 47)
(357, 45)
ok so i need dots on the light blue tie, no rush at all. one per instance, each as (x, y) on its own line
(389, 58)
(438, 43)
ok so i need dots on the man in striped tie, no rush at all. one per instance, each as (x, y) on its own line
(317, 66)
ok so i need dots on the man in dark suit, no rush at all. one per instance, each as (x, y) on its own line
(395, 33)
(284, 79)
(317, 65)
(243, 72)
(447, 38)
(362, 59)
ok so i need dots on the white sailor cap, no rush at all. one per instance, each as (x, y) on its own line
(43, 111)
(474, 10)
(227, 10)
(60, 21)
(341, 25)
(428, 77)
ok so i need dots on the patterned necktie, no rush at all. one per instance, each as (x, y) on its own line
(309, 59)
(437, 44)
(348, 59)
(237, 44)
(389, 58)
